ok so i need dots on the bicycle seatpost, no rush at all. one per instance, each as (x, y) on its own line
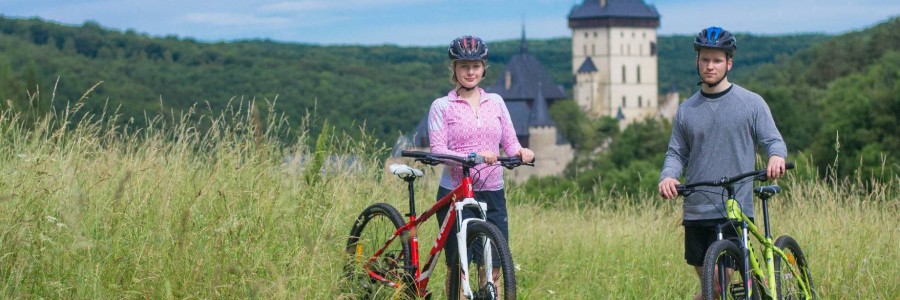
(412, 196)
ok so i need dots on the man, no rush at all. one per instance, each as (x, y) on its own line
(714, 134)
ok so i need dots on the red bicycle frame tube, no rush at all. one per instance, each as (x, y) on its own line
(464, 190)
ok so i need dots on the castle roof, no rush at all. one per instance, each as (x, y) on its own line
(587, 66)
(597, 13)
(540, 114)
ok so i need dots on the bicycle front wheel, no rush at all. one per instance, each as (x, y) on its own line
(786, 281)
(723, 270)
(372, 230)
(488, 253)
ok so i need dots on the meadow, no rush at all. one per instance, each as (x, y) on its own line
(202, 205)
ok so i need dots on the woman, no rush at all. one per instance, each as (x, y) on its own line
(469, 120)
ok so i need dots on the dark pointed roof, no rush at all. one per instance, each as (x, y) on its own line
(540, 114)
(587, 66)
(525, 73)
(591, 13)
(519, 112)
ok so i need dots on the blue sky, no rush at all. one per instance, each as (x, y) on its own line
(434, 22)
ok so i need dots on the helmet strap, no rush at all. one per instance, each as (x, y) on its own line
(462, 87)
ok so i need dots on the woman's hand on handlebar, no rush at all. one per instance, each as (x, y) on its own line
(667, 188)
(526, 155)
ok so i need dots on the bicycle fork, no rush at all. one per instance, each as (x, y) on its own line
(462, 247)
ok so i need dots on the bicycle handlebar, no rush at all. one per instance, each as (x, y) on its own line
(759, 175)
(469, 161)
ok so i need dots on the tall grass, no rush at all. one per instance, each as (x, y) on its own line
(199, 206)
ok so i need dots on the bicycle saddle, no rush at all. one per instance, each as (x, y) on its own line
(404, 171)
(766, 191)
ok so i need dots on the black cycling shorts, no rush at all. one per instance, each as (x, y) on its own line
(699, 235)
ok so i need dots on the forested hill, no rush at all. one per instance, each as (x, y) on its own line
(387, 87)
(840, 98)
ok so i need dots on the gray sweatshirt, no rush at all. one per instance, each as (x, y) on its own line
(714, 138)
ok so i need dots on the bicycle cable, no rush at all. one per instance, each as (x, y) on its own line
(493, 167)
(739, 184)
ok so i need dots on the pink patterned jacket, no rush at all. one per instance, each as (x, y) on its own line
(454, 128)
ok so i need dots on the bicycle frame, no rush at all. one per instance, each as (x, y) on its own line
(736, 215)
(466, 193)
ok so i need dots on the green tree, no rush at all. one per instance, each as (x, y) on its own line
(860, 114)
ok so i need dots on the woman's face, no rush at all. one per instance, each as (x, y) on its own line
(469, 72)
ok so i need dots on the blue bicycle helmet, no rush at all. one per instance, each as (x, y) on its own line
(716, 38)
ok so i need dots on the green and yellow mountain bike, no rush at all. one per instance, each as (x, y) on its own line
(785, 271)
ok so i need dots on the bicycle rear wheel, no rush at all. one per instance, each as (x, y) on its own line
(787, 283)
(722, 257)
(372, 229)
(480, 236)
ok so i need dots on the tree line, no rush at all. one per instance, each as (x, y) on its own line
(822, 89)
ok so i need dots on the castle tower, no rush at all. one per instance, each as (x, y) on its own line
(614, 59)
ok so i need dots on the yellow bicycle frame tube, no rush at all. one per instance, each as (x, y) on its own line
(734, 212)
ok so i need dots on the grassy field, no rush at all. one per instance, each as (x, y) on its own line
(220, 209)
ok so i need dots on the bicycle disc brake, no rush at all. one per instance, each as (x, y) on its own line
(489, 292)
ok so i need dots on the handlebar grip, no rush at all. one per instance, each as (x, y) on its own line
(410, 153)
(789, 165)
(680, 188)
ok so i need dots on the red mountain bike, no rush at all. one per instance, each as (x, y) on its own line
(379, 265)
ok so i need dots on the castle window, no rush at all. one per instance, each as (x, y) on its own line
(593, 49)
(595, 34)
(638, 74)
(585, 34)
(623, 101)
(640, 101)
(585, 50)
(623, 74)
(652, 48)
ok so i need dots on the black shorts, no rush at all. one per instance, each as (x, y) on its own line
(699, 235)
(496, 215)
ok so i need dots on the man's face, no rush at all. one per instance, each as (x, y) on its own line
(712, 65)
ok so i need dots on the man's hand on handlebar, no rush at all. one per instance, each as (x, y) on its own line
(776, 167)
(667, 188)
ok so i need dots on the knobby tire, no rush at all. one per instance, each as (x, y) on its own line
(373, 227)
(476, 234)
